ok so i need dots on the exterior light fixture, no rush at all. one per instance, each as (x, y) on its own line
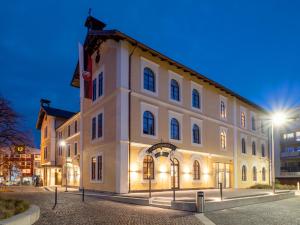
(279, 118)
(62, 143)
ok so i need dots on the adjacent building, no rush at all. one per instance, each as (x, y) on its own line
(287, 150)
(141, 97)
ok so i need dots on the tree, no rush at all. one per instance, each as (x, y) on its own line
(11, 135)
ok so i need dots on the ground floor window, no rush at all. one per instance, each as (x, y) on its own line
(196, 170)
(254, 174)
(244, 173)
(99, 167)
(93, 168)
(263, 174)
(148, 168)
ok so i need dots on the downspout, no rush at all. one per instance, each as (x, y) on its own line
(129, 116)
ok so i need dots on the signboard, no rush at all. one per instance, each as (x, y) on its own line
(162, 152)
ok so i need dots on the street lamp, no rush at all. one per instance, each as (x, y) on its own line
(278, 119)
(63, 144)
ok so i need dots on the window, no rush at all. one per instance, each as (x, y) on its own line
(148, 168)
(254, 174)
(93, 128)
(100, 84)
(263, 153)
(94, 89)
(75, 148)
(253, 123)
(253, 148)
(196, 167)
(100, 125)
(243, 119)
(99, 167)
(149, 79)
(223, 109)
(69, 151)
(45, 153)
(93, 168)
(196, 134)
(223, 139)
(175, 129)
(244, 173)
(175, 92)
(75, 126)
(45, 132)
(59, 150)
(148, 123)
(69, 131)
(196, 99)
(263, 174)
(244, 146)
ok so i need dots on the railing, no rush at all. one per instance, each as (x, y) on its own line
(290, 169)
(290, 154)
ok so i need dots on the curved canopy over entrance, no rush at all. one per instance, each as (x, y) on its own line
(161, 149)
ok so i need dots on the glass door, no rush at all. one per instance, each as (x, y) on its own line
(175, 174)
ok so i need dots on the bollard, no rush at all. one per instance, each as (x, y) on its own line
(82, 194)
(200, 201)
(221, 191)
(55, 198)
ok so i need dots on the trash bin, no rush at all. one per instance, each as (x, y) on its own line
(200, 201)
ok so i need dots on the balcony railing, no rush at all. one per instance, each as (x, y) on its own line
(290, 154)
(290, 169)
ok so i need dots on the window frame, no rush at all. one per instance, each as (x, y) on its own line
(223, 130)
(199, 123)
(244, 173)
(179, 118)
(96, 180)
(152, 170)
(199, 88)
(179, 79)
(154, 110)
(155, 68)
(224, 100)
(196, 171)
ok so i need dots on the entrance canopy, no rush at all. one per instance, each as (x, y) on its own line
(161, 149)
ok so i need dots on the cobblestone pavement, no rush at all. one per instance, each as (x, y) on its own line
(70, 210)
(284, 212)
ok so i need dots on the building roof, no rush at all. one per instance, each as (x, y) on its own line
(95, 37)
(52, 112)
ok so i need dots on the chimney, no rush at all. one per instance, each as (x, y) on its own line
(45, 102)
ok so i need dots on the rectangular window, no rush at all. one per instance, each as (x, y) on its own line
(93, 168)
(45, 153)
(69, 151)
(93, 128)
(94, 89)
(100, 84)
(75, 126)
(99, 167)
(69, 131)
(223, 109)
(100, 125)
(75, 149)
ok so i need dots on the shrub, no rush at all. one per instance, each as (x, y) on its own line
(9, 207)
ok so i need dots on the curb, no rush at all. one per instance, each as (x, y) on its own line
(203, 219)
(29, 217)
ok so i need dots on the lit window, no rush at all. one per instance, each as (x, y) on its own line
(175, 92)
(149, 80)
(196, 99)
(223, 109)
(148, 123)
(223, 139)
(243, 119)
(148, 168)
(244, 173)
(196, 167)
(196, 134)
(175, 129)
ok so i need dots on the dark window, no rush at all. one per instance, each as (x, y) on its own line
(175, 129)
(196, 99)
(223, 109)
(69, 131)
(148, 168)
(196, 167)
(94, 89)
(69, 151)
(196, 134)
(100, 125)
(75, 149)
(253, 123)
(253, 148)
(148, 123)
(149, 79)
(93, 168)
(45, 132)
(244, 173)
(175, 95)
(93, 128)
(99, 167)
(75, 126)
(100, 84)
(263, 174)
(45, 153)
(263, 153)
(244, 146)
(254, 174)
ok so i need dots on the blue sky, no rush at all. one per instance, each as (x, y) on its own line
(251, 47)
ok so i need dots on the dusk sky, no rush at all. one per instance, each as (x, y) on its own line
(252, 47)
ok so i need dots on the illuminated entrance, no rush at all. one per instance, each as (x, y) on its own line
(175, 174)
(222, 174)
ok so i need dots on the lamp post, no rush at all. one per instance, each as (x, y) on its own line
(63, 144)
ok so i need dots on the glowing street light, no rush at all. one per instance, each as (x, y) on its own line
(279, 118)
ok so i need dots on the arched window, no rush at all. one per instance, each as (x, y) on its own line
(263, 153)
(149, 79)
(148, 123)
(254, 174)
(253, 148)
(243, 146)
(223, 139)
(243, 119)
(263, 174)
(196, 167)
(148, 168)
(196, 134)
(223, 109)
(175, 129)
(244, 173)
(175, 92)
(196, 99)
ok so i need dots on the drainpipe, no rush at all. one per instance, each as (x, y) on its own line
(129, 115)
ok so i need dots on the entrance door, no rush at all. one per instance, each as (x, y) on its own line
(175, 174)
(222, 175)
